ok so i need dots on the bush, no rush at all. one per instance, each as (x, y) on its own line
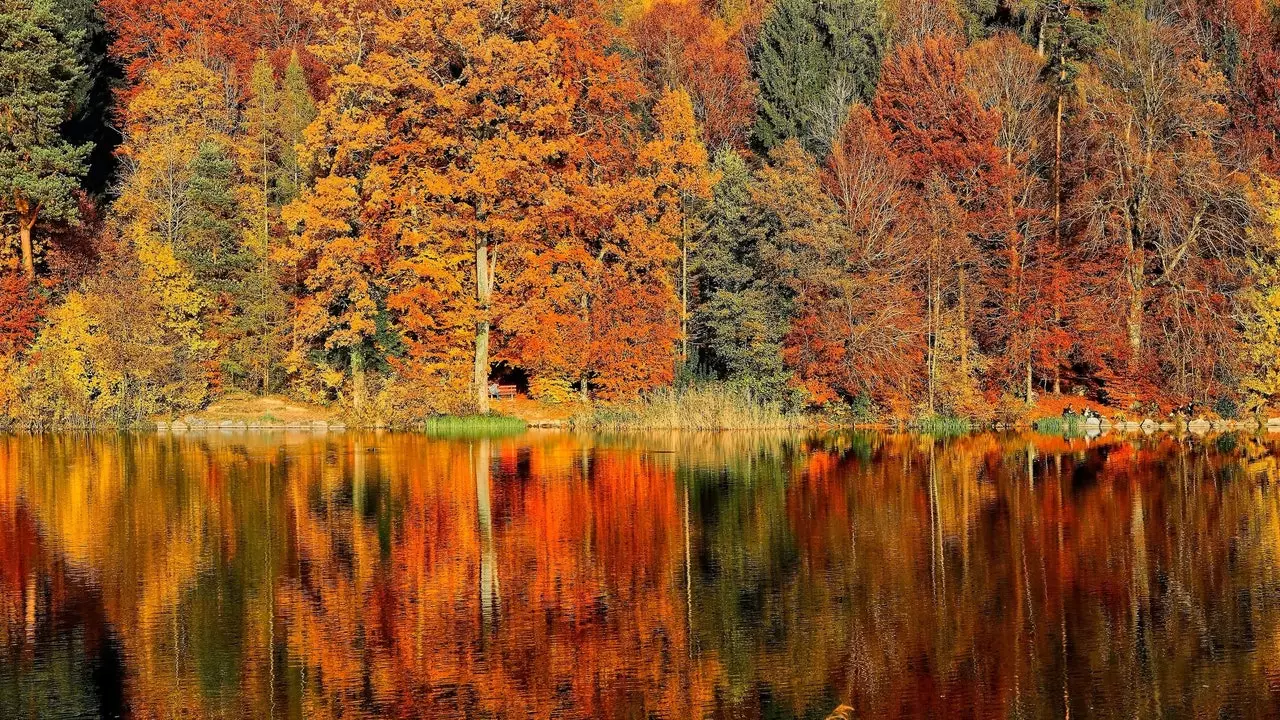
(1226, 408)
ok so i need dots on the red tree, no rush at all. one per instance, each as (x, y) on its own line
(681, 46)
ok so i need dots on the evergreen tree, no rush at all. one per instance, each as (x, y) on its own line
(814, 58)
(212, 247)
(269, 178)
(741, 320)
(40, 74)
(260, 149)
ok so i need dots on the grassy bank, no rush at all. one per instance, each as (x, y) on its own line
(709, 407)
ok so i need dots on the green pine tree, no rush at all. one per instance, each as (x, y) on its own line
(815, 58)
(212, 245)
(40, 76)
(741, 319)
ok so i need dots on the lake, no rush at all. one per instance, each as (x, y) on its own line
(553, 574)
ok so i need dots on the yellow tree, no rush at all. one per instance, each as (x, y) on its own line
(181, 111)
(335, 257)
(675, 161)
(445, 136)
(1262, 322)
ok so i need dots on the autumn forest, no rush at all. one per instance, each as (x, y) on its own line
(898, 208)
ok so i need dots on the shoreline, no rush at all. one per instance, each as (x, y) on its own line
(508, 424)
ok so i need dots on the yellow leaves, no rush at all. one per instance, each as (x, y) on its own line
(676, 158)
(184, 103)
(180, 298)
(105, 356)
(1261, 325)
(62, 374)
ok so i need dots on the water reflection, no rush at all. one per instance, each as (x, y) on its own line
(635, 576)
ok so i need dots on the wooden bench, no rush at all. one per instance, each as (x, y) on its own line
(506, 392)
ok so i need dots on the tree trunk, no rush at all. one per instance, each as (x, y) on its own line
(1031, 398)
(964, 326)
(1057, 181)
(1057, 148)
(1137, 277)
(1135, 310)
(930, 337)
(684, 294)
(28, 253)
(483, 293)
(583, 389)
(357, 378)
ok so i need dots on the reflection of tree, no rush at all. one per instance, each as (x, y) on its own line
(641, 575)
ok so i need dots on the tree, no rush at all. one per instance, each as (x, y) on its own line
(341, 271)
(1261, 332)
(959, 182)
(23, 309)
(911, 21)
(682, 47)
(270, 176)
(177, 213)
(1162, 202)
(259, 151)
(741, 316)
(224, 35)
(296, 111)
(813, 59)
(1005, 73)
(592, 301)
(677, 163)
(39, 74)
(858, 320)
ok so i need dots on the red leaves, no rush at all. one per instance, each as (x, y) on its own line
(681, 46)
(23, 308)
(225, 35)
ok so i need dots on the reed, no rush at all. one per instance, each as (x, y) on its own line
(472, 425)
(1059, 425)
(942, 425)
(713, 406)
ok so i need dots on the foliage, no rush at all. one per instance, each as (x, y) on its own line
(680, 46)
(814, 59)
(741, 317)
(912, 208)
(1261, 332)
(40, 73)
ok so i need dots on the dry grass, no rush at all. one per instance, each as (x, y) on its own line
(708, 407)
(271, 409)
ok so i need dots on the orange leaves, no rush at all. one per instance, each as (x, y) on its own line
(225, 34)
(935, 121)
(682, 47)
(339, 264)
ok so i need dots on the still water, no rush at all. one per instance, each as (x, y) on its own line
(553, 574)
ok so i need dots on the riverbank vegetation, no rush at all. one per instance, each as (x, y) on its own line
(707, 407)
(881, 209)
